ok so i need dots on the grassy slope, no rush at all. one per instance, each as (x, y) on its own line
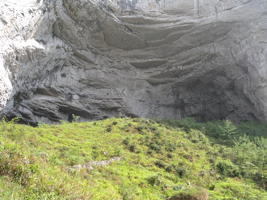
(159, 161)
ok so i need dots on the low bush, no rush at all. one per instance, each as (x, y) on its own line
(227, 168)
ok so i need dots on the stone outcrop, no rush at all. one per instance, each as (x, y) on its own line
(92, 164)
(151, 58)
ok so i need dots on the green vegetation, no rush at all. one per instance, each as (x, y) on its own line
(142, 160)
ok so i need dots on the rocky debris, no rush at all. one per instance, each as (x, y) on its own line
(161, 59)
(92, 164)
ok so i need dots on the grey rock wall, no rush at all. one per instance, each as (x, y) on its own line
(157, 59)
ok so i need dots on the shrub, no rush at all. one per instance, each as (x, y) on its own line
(170, 147)
(114, 123)
(126, 141)
(186, 124)
(140, 129)
(253, 129)
(17, 167)
(155, 147)
(156, 180)
(132, 148)
(109, 129)
(194, 193)
(225, 132)
(227, 168)
(180, 171)
(160, 164)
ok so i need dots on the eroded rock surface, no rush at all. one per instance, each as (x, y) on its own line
(150, 58)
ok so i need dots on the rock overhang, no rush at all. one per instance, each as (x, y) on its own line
(207, 61)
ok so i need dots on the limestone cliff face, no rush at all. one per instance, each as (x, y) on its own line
(149, 58)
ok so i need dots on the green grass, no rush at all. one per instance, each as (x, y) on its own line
(159, 160)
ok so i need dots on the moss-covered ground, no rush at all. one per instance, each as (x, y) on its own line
(177, 160)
